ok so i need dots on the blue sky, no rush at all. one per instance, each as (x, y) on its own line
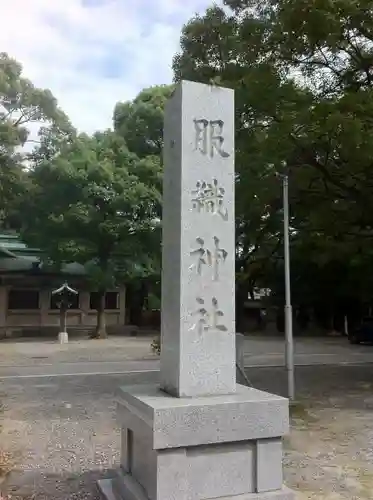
(93, 53)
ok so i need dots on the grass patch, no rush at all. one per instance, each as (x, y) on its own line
(156, 345)
(301, 411)
(298, 410)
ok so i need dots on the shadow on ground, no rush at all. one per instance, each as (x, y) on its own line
(320, 384)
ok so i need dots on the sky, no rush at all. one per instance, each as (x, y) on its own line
(93, 53)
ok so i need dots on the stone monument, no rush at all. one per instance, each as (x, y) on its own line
(199, 435)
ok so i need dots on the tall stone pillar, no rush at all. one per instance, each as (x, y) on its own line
(199, 436)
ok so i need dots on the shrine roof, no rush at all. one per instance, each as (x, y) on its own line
(12, 246)
(16, 256)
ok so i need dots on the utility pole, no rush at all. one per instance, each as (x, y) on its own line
(289, 352)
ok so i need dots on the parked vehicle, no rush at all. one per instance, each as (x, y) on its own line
(362, 333)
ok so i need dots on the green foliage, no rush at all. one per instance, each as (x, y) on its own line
(140, 122)
(95, 203)
(93, 200)
(21, 105)
(302, 73)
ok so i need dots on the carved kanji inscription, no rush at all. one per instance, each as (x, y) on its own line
(209, 138)
(208, 197)
(212, 257)
(208, 319)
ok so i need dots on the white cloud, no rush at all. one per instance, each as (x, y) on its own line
(93, 53)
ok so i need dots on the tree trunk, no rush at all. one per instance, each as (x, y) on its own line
(100, 331)
(136, 295)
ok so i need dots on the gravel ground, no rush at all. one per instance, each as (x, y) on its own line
(28, 352)
(258, 349)
(63, 435)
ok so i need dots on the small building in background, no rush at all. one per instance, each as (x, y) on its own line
(27, 306)
(259, 315)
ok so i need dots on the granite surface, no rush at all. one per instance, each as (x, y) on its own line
(198, 242)
(171, 422)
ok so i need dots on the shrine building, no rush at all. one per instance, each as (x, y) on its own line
(27, 306)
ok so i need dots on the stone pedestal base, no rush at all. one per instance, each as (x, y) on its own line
(63, 338)
(200, 448)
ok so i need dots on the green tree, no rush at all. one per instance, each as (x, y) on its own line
(302, 74)
(93, 204)
(22, 106)
(140, 122)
